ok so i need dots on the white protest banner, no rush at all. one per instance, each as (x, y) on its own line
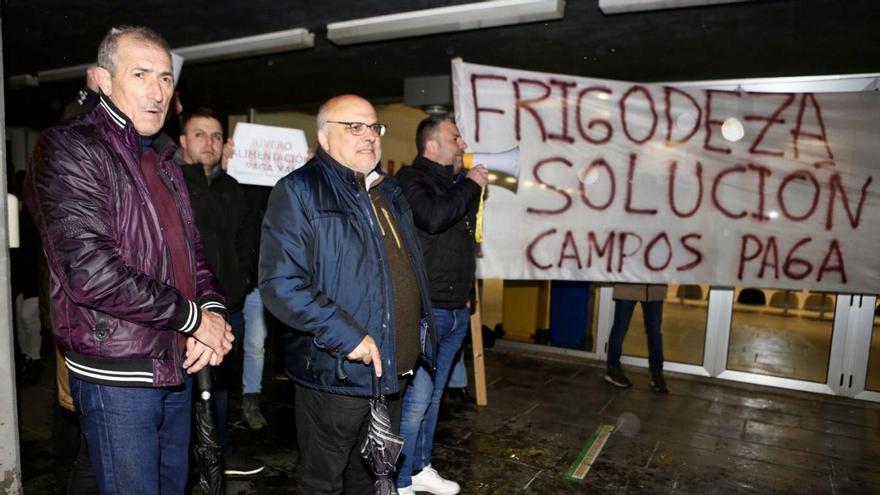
(264, 154)
(636, 182)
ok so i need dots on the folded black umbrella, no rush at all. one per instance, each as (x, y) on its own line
(382, 446)
(207, 451)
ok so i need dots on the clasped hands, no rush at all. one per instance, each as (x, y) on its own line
(209, 343)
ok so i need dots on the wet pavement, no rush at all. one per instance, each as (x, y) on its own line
(704, 437)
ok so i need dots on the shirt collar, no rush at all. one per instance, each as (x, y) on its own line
(365, 181)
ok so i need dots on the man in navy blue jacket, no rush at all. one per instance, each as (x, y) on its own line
(340, 264)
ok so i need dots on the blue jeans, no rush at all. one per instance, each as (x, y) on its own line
(421, 402)
(458, 378)
(254, 343)
(653, 314)
(138, 438)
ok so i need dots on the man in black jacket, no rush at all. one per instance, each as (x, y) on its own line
(444, 210)
(229, 233)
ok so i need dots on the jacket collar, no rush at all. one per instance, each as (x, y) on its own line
(190, 170)
(197, 172)
(443, 171)
(349, 176)
(121, 124)
(114, 114)
(164, 145)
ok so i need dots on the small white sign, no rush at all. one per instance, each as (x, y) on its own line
(264, 154)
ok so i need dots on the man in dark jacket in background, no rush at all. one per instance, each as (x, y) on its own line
(229, 233)
(340, 264)
(444, 209)
(133, 302)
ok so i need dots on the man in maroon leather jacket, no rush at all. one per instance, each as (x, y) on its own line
(133, 303)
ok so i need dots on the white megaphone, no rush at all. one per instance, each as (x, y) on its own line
(503, 167)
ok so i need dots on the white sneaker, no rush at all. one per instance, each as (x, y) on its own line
(429, 480)
(407, 490)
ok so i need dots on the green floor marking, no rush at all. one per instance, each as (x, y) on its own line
(581, 465)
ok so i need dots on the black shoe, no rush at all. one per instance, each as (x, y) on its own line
(616, 377)
(30, 372)
(658, 383)
(235, 465)
(250, 412)
(461, 394)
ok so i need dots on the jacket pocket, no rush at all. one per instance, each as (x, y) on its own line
(101, 330)
(341, 375)
(313, 356)
(325, 213)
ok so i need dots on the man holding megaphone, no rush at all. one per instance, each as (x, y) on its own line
(444, 207)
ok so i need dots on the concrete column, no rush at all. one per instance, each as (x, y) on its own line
(10, 460)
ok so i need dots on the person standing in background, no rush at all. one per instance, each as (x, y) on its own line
(229, 233)
(625, 298)
(444, 211)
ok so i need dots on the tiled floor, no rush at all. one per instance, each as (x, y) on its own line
(704, 437)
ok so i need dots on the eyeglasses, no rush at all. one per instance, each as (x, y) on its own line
(359, 128)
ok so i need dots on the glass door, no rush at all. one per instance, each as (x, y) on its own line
(872, 373)
(785, 338)
(860, 375)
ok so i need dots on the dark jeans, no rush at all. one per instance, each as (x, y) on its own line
(73, 470)
(226, 376)
(653, 314)
(138, 438)
(330, 430)
(82, 479)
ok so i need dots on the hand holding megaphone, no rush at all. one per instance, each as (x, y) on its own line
(479, 174)
(502, 169)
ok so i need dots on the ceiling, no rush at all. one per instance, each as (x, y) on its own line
(753, 39)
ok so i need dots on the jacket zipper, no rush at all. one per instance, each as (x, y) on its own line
(377, 244)
(186, 220)
(146, 202)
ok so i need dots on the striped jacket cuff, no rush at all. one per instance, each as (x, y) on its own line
(213, 303)
(188, 317)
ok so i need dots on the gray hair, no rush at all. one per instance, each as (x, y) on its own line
(107, 56)
(321, 119)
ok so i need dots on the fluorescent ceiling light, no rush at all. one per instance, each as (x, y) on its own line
(843, 83)
(464, 17)
(22, 81)
(63, 73)
(624, 6)
(248, 46)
